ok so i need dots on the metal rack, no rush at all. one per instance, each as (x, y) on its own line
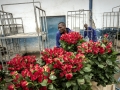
(12, 31)
(111, 25)
(77, 19)
(10, 25)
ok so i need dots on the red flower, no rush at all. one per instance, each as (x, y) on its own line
(40, 78)
(72, 37)
(102, 50)
(106, 35)
(11, 87)
(23, 83)
(43, 88)
(68, 76)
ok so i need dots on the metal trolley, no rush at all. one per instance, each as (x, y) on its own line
(12, 31)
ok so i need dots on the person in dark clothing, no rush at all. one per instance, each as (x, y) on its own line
(62, 30)
(3, 51)
(90, 32)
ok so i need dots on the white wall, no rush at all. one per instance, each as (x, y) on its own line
(100, 6)
(52, 8)
(58, 7)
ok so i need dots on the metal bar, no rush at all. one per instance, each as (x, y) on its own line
(75, 21)
(83, 20)
(5, 12)
(20, 3)
(115, 7)
(117, 31)
(43, 29)
(47, 31)
(106, 20)
(113, 19)
(110, 19)
(40, 8)
(79, 20)
(67, 19)
(45, 44)
(37, 27)
(79, 10)
(71, 21)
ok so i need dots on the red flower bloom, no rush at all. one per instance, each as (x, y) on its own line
(40, 78)
(11, 87)
(68, 76)
(106, 35)
(72, 37)
(23, 83)
(43, 88)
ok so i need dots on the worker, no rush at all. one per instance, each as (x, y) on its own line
(2, 50)
(61, 30)
(90, 33)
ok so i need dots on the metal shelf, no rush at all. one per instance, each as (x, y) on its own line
(22, 35)
(10, 24)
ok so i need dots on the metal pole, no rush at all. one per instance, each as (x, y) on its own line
(103, 22)
(47, 30)
(117, 30)
(37, 27)
(110, 20)
(115, 7)
(75, 20)
(71, 20)
(90, 8)
(79, 19)
(20, 3)
(67, 19)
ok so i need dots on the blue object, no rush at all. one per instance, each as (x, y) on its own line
(90, 8)
(52, 23)
(91, 33)
(58, 35)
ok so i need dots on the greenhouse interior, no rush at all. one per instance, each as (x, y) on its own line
(60, 45)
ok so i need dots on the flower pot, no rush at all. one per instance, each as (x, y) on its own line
(108, 87)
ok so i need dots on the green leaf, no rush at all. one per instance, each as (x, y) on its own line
(87, 69)
(68, 84)
(103, 45)
(87, 77)
(19, 88)
(107, 75)
(44, 83)
(46, 73)
(75, 87)
(50, 66)
(100, 65)
(50, 86)
(30, 84)
(73, 83)
(80, 81)
(114, 53)
(99, 59)
(109, 62)
(52, 77)
(81, 72)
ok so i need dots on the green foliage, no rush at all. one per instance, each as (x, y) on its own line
(70, 47)
(103, 68)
